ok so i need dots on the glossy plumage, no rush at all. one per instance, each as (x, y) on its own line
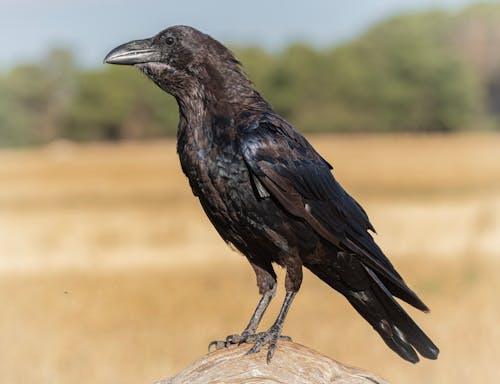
(269, 193)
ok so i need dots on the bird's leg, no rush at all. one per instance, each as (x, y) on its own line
(266, 281)
(273, 334)
(248, 334)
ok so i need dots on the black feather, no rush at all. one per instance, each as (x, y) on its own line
(266, 189)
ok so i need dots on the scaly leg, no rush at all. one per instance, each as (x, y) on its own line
(257, 315)
(273, 334)
(266, 281)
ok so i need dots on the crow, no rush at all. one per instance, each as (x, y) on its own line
(269, 193)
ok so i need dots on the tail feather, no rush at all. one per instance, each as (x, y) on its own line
(404, 294)
(373, 300)
(404, 330)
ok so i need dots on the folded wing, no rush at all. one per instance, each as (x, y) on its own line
(285, 166)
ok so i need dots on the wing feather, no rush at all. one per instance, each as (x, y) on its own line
(283, 163)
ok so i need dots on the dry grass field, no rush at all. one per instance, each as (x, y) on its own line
(110, 272)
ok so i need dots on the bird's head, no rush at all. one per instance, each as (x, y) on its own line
(184, 62)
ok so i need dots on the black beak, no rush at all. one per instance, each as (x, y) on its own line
(134, 52)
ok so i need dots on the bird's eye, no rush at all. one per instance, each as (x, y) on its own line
(169, 40)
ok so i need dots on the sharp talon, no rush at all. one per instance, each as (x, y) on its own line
(218, 345)
(270, 354)
(272, 348)
(255, 349)
(211, 344)
(270, 338)
(245, 337)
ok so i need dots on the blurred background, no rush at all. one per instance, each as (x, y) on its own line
(109, 270)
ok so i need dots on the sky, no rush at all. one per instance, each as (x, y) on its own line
(28, 28)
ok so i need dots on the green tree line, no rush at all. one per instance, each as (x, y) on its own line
(424, 72)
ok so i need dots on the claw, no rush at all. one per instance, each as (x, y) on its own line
(270, 353)
(245, 337)
(218, 345)
(269, 337)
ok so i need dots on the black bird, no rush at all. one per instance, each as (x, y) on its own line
(269, 193)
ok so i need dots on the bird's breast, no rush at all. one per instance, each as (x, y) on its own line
(219, 177)
(216, 170)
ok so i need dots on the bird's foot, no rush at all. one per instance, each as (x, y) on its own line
(270, 337)
(245, 337)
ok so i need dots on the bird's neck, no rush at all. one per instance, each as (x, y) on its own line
(207, 90)
(200, 102)
(203, 118)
